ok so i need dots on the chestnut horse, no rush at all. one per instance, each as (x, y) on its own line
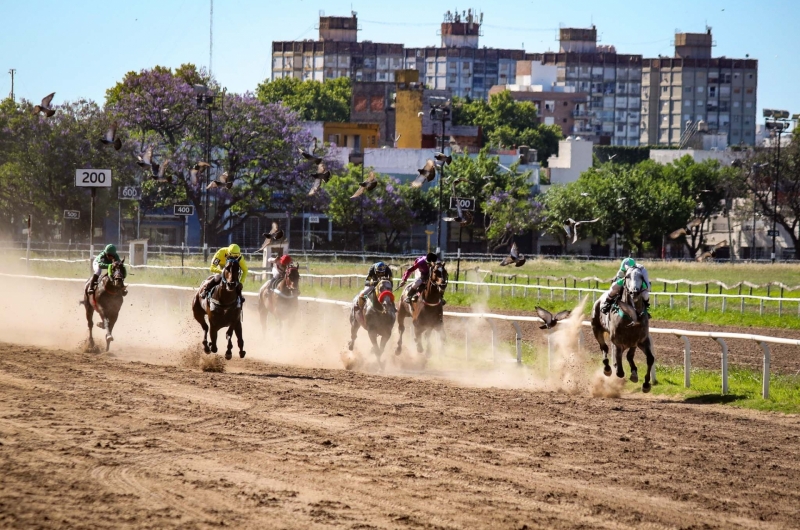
(222, 308)
(426, 312)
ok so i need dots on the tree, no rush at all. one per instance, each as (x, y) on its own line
(312, 100)
(507, 122)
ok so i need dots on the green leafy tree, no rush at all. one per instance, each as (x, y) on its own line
(312, 100)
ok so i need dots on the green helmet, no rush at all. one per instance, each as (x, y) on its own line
(627, 263)
(110, 249)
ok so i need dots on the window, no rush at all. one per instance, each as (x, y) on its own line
(749, 76)
(620, 128)
(699, 90)
(748, 105)
(665, 117)
(565, 103)
(737, 90)
(549, 106)
(749, 90)
(700, 103)
(736, 104)
(712, 91)
(687, 103)
(664, 89)
(687, 89)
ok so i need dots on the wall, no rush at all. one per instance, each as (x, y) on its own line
(407, 121)
(667, 156)
(574, 157)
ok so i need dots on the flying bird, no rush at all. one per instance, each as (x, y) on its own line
(443, 158)
(694, 223)
(572, 228)
(145, 159)
(276, 234)
(713, 252)
(426, 174)
(223, 182)
(45, 106)
(159, 171)
(550, 320)
(323, 174)
(463, 218)
(368, 185)
(196, 170)
(514, 257)
(311, 156)
(111, 137)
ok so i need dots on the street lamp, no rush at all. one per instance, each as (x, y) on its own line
(440, 110)
(206, 99)
(777, 121)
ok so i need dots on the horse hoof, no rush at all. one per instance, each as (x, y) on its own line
(621, 375)
(213, 348)
(634, 378)
(242, 354)
(228, 355)
(101, 325)
(206, 348)
(607, 371)
(398, 351)
(646, 388)
(350, 345)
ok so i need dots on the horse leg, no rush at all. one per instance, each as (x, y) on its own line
(110, 323)
(229, 350)
(647, 348)
(200, 316)
(353, 330)
(418, 337)
(600, 335)
(618, 360)
(401, 327)
(373, 338)
(237, 328)
(89, 321)
(634, 371)
(214, 330)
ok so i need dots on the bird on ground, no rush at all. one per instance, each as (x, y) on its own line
(463, 218)
(323, 174)
(443, 158)
(276, 234)
(694, 223)
(310, 155)
(110, 137)
(198, 168)
(513, 257)
(550, 320)
(572, 228)
(426, 174)
(368, 185)
(45, 106)
(222, 182)
(145, 159)
(711, 254)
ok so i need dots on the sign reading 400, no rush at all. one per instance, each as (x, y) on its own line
(93, 178)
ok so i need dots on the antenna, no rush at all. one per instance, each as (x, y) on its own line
(210, 37)
(12, 71)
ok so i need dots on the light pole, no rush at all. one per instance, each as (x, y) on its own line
(776, 121)
(440, 109)
(206, 99)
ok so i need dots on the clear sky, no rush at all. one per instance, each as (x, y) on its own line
(79, 48)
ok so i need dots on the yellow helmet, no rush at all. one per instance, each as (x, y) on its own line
(234, 250)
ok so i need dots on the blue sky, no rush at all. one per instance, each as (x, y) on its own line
(79, 48)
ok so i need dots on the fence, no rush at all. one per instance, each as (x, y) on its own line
(763, 340)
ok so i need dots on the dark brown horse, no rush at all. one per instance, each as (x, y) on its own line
(222, 308)
(378, 318)
(427, 311)
(106, 300)
(281, 302)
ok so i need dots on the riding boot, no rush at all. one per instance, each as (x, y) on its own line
(606, 308)
(409, 295)
(645, 309)
(93, 284)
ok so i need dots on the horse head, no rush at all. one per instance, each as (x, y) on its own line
(439, 277)
(634, 286)
(116, 273)
(230, 273)
(385, 296)
(291, 279)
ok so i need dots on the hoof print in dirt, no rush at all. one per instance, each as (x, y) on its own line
(212, 363)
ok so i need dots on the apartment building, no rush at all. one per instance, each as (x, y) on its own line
(693, 88)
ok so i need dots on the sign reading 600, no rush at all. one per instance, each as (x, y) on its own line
(93, 178)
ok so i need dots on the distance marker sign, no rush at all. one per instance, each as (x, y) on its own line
(183, 209)
(93, 178)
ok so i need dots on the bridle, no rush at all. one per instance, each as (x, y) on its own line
(232, 273)
(439, 273)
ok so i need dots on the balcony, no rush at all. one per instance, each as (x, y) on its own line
(581, 114)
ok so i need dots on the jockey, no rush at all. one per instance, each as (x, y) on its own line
(377, 272)
(106, 257)
(423, 265)
(279, 266)
(612, 296)
(218, 263)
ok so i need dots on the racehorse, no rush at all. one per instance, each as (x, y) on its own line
(626, 327)
(222, 309)
(426, 312)
(282, 300)
(106, 300)
(378, 317)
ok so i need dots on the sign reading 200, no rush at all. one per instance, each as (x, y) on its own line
(93, 178)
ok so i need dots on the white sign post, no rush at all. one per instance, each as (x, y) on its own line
(92, 178)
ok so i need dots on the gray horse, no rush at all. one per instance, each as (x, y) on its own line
(626, 327)
(378, 318)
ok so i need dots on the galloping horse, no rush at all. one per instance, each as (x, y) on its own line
(281, 301)
(627, 327)
(106, 300)
(426, 312)
(379, 317)
(222, 309)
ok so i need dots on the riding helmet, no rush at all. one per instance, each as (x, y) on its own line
(380, 267)
(285, 260)
(627, 263)
(110, 249)
(431, 257)
(234, 251)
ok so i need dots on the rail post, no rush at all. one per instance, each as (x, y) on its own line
(466, 342)
(765, 382)
(724, 364)
(687, 362)
(519, 341)
(494, 338)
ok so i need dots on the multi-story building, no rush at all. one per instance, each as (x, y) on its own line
(612, 80)
(336, 53)
(459, 65)
(693, 88)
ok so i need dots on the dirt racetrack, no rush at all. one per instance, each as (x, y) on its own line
(286, 438)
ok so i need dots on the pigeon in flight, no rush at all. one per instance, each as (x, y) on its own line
(368, 185)
(443, 158)
(711, 254)
(463, 218)
(45, 106)
(514, 257)
(276, 234)
(111, 137)
(310, 155)
(426, 174)
(222, 182)
(694, 223)
(196, 170)
(323, 174)
(159, 171)
(145, 159)
(571, 228)
(550, 320)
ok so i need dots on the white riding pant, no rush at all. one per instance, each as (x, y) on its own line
(96, 268)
